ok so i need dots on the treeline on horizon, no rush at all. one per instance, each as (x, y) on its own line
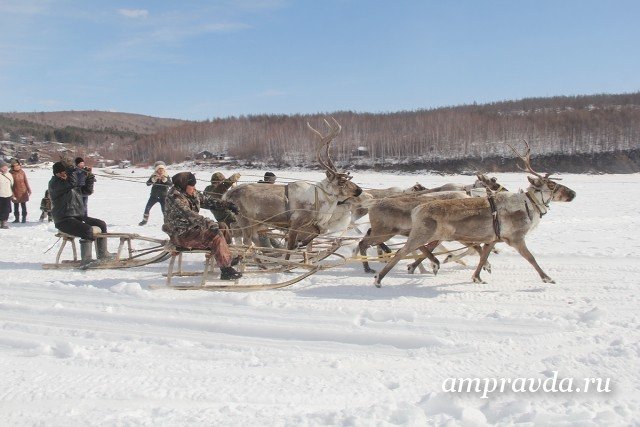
(564, 126)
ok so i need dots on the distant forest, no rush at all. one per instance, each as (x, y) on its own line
(600, 132)
(595, 133)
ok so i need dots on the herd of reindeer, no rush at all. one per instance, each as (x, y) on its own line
(477, 215)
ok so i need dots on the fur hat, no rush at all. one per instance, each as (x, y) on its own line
(160, 166)
(58, 167)
(79, 160)
(217, 177)
(182, 179)
(269, 177)
(158, 163)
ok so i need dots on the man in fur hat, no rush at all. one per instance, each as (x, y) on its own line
(188, 229)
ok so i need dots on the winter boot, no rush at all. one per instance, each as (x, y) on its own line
(3, 224)
(17, 218)
(229, 273)
(101, 250)
(24, 219)
(145, 218)
(86, 251)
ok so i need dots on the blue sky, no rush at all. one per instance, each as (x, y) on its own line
(204, 59)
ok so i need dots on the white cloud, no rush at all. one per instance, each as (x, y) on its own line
(134, 13)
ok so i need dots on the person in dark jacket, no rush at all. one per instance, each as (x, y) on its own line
(81, 172)
(160, 183)
(188, 229)
(67, 208)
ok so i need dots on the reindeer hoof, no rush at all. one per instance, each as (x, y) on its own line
(487, 268)
(477, 279)
(410, 269)
(376, 281)
(369, 270)
(548, 280)
(435, 268)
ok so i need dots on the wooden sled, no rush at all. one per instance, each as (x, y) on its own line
(257, 265)
(128, 254)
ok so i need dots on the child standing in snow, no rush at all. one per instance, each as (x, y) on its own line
(45, 207)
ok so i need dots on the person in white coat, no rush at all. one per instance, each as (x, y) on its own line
(6, 193)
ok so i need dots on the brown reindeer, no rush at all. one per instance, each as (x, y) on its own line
(475, 220)
(302, 208)
(391, 216)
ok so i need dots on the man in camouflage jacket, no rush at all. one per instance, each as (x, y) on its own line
(219, 186)
(188, 229)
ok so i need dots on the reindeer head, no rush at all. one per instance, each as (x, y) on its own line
(340, 182)
(550, 189)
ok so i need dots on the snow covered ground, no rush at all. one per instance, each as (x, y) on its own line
(102, 348)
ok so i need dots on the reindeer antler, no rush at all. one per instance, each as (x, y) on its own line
(526, 158)
(325, 142)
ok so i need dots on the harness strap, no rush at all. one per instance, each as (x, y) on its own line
(535, 203)
(286, 202)
(494, 213)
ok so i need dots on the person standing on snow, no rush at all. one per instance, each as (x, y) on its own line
(81, 173)
(160, 183)
(6, 193)
(21, 190)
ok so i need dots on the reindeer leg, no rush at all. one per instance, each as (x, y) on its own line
(486, 250)
(363, 245)
(521, 247)
(413, 242)
(397, 257)
(487, 265)
(426, 250)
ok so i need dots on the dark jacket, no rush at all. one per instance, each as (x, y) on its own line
(181, 211)
(160, 185)
(81, 176)
(66, 196)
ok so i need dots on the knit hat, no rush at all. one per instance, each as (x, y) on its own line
(182, 179)
(58, 167)
(79, 160)
(217, 177)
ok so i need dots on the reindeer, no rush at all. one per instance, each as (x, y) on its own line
(302, 208)
(474, 219)
(392, 216)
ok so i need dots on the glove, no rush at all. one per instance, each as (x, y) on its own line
(164, 178)
(232, 207)
(235, 177)
(154, 178)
